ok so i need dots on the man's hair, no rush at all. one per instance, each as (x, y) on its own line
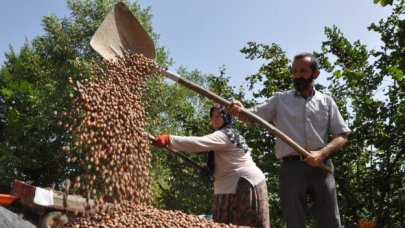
(314, 61)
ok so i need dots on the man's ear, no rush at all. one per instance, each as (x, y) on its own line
(316, 74)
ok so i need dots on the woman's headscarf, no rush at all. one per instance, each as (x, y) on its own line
(233, 135)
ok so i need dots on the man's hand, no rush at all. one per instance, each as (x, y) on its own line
(161, 141)
(315, 158)
(234, 108)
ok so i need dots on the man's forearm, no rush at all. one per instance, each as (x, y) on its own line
(336, 144)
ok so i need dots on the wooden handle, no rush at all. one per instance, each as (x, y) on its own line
(251, 116)
(181, 155)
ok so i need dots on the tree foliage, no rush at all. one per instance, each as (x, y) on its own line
(368, 86)
(372, 175)
(34, 93)
(384, 2)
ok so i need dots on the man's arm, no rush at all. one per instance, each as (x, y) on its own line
(235, 108)
(318, 156)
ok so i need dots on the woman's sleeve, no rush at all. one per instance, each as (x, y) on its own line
(215, 141)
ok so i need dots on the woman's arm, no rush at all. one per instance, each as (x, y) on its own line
(215, 141)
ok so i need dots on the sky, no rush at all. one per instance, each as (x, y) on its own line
(206, 35)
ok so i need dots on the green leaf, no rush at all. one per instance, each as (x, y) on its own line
(396, 73)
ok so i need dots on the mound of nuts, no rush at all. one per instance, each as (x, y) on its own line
(135, 215)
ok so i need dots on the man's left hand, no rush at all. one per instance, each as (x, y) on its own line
(315, 158)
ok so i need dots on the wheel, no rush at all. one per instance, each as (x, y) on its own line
(53, 219)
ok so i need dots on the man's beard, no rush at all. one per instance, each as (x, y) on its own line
(302, 84)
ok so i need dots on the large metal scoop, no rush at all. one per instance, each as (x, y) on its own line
(121, 31)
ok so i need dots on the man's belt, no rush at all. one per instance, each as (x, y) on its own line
(293, 158)
(296, 158)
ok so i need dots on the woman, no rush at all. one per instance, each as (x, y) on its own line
(240, 189)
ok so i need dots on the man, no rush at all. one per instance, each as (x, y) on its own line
(308, 117)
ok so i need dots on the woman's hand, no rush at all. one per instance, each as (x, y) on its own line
(161, 141)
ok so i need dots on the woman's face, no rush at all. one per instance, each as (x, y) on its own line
(216, 119)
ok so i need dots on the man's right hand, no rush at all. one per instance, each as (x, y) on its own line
(235, 108)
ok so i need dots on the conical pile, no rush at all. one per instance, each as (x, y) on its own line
(145, 216)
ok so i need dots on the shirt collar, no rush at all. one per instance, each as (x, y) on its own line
(297, 94)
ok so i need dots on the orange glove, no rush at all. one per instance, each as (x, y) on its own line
(161, 140)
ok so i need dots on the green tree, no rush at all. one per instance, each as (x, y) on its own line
(384, 2)
(34, 93)
(371, 84)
